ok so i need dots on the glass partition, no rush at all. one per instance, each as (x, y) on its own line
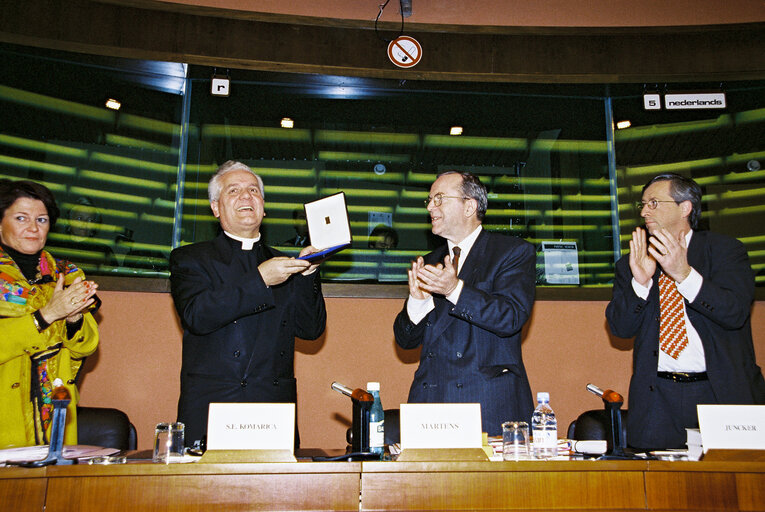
(722, 150)
(541, 151)
(132, 183)
(113, 172)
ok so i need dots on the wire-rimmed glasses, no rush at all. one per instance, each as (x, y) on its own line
(652, 204)
(439, 198)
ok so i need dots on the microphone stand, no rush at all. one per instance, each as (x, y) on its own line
(60, 399)
(362, 403)
(613, 402)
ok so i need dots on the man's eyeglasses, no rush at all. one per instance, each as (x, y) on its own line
(439, 198)
(652, 204)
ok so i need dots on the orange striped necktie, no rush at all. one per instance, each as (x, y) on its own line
(456, 259)
(672, 336)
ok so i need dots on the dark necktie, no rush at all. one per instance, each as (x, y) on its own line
(672, 336)
(456, 259)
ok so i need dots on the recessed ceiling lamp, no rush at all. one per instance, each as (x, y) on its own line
(621, 125)
(455, 130)
(113, 104)
(287, 123)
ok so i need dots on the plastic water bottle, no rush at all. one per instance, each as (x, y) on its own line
(544, 428)
(376, 421)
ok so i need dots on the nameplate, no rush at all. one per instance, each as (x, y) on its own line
(251, 426)
(732, 426)
(440, 426)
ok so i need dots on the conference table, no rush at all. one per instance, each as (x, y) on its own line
(353, 486)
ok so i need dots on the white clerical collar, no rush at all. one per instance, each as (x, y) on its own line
(247, 243)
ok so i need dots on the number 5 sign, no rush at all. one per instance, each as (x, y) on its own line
(404, 51)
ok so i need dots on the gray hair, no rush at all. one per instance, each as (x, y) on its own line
(214, 186)
(473, 188)
(682, 189)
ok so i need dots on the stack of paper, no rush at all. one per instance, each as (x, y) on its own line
(39, 452)
(695, 447)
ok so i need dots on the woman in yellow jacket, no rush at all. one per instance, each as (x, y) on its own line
(46, 325)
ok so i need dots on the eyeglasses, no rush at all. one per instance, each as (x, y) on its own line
(439, 198)
(652, 204)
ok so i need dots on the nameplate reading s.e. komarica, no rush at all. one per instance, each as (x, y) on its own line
(440, 426)
(732, 426)
(251, 426)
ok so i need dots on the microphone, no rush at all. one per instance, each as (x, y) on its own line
(362, 403)
(60, 398)
(342, 389)
(358, 394)
(608, 395)
(615, 441)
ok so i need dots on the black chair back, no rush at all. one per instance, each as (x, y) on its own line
(596, 424)
(102, 426)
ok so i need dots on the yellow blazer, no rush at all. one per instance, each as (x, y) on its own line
(20, 423)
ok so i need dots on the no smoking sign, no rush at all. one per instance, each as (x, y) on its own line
(404, 51)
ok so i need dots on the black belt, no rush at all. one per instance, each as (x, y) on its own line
(683, 376)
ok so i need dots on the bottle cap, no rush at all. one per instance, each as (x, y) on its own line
(373, 386)
(543, 396)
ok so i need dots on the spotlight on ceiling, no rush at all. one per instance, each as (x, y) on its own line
(287, 123)
(621, 125)
(455, 130)
(406, 8)
(113, 104)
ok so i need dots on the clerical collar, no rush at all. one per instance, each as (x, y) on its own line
(247, 243)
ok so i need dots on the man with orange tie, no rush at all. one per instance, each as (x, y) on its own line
(468, 301)
(686, 297)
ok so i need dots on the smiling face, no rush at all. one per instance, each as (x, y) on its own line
(668, 214)
(240, 206)
(455, 218)
(25, 225)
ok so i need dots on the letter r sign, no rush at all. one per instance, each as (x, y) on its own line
(220, 86)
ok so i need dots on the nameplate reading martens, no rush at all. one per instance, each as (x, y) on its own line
(440, 426)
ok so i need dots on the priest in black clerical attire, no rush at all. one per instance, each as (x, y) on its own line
(241, 304)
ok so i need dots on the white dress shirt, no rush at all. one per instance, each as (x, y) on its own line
(417, 309)
(691, 359)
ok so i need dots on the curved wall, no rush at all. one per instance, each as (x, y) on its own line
(136, 368)
(512, 13)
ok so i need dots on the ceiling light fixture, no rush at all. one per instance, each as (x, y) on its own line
(455, 130)
(287, 123)
(113, 104)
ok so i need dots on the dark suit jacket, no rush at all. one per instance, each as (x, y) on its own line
(238, 334)
(471, 351)
(721, 315)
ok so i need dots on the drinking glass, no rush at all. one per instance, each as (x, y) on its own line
(515, 440)
(168, 442)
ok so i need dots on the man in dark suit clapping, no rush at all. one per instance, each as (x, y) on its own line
(241, 304)
(468, 301)
(686, 297)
